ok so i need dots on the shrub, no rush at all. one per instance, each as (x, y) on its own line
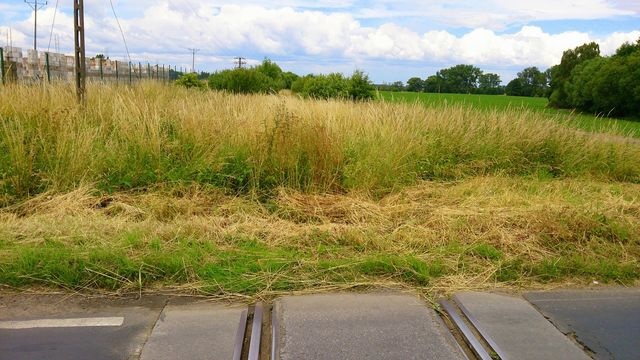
(360, 87)
(244, 81)
(190, 81)
(335, 86)
(264, 78)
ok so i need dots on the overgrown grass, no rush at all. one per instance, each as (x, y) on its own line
(130, 138)
(158, 186)
(593, 123)
(480, 233)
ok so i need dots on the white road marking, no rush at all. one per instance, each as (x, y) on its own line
(62, 323)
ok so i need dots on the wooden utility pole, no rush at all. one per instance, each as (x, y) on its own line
(81, 64)
(35, 5)
(240, 61)
(193, 59)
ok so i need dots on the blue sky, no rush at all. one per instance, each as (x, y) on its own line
(390, 39)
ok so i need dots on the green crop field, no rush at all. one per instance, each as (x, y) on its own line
(502, 102)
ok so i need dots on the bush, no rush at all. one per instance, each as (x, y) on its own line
(335, 86)
(190, 81)
(264, 78)
(244, 81)
(360, 87)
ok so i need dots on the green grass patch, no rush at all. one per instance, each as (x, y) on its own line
(586, 122)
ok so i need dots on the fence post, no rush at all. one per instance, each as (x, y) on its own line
(164, 75)
(130, 66)
(3, 74)
(148, 71)
(101, 73)
(140, 71)
(46, 61)
(116, 72)
(157, 72)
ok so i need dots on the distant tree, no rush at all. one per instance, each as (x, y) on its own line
(516, 87)
(397, 86)
(415, 84)
(561, 73)
(174, 75)
(394, 86)
(462, 79)
(360, 87)
(204, 75)
(533, 82)
(605, 86)
(490, 84)
(627, 49)
(433, 84)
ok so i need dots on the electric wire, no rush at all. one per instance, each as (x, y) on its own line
(53, 24)
(121, 32)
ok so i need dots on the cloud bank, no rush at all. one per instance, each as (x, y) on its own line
(336, 31)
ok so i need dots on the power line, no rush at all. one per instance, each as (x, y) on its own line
(121, 32)
(193, 64)
(35, 6)
(240, 61)
(55, 12)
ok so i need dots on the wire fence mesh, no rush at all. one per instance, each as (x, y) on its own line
(20, 66)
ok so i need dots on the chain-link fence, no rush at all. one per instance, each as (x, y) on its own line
(19, 66)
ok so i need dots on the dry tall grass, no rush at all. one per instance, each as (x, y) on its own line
(437, 237)
(136, 137)
(141, 188)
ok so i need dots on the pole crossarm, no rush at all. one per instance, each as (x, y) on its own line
(35, 5)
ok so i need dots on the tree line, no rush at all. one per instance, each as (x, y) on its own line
(469, 79)
(604, 85)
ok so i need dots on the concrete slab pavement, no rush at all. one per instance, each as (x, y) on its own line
(195, 331)
(515, 329)
(361, 326)
(607, 322)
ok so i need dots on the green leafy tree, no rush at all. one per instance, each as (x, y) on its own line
(534, 81)
(288, 78)
(490, 84)
(562, 73)
(360, 87)
(272, 71)
(433, 84)
(461, 79)
(603, 85)
(397, 86)
(515, 87)
(415, 84)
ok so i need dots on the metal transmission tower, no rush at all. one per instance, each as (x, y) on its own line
(81, 65)
(35, 5)
(193, 59)
(240, 61)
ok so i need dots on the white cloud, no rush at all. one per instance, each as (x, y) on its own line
(164, 31)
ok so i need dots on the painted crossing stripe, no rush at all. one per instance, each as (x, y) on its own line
(62, 323)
